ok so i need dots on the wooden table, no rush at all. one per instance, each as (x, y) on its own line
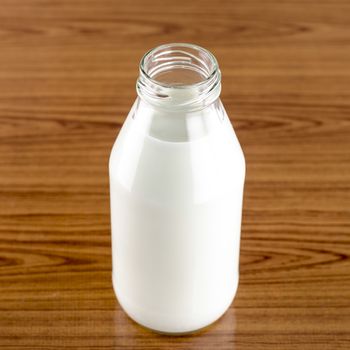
(67, 80)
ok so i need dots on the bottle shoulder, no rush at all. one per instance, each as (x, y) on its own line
(172, 171)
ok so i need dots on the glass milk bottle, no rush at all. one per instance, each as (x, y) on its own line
(176, 186)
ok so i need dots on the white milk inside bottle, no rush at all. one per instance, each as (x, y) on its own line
(176, 186)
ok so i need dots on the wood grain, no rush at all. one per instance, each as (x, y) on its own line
(67, 80)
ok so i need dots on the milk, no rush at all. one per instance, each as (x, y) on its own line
(176, 186)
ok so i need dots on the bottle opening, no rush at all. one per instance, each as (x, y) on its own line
(178, 64)
(180, 75)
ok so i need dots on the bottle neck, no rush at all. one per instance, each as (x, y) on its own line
(179, 77)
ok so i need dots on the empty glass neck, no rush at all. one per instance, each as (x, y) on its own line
(179, 76)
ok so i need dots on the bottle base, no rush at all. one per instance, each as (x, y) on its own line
(174, 334)
(158, 327)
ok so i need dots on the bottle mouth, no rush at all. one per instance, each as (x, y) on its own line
(179, 75)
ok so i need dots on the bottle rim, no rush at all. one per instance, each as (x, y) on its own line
(167, 57)
(162, 48)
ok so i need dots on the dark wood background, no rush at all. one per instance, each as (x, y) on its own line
(67, 80)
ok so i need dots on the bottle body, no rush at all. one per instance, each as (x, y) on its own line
(176, 185)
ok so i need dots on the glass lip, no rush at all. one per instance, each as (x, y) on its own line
(214, 71)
